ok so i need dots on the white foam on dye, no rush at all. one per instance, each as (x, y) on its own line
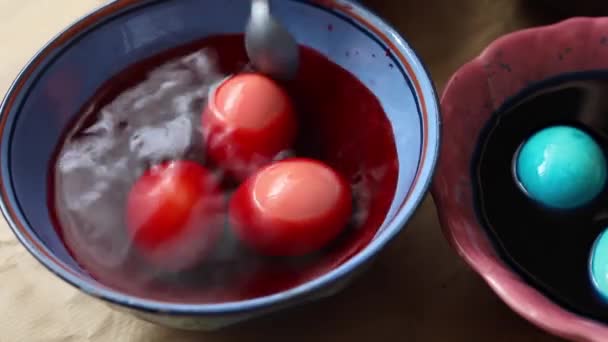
(154, 121)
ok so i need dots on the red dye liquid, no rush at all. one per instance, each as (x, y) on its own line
(118, 136)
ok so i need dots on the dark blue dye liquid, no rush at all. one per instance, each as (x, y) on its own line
(549, 248)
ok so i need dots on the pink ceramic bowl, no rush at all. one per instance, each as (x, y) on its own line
(471, 96)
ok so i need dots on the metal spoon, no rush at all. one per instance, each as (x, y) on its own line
(270, 47)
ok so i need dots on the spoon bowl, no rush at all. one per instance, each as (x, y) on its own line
(271, 48)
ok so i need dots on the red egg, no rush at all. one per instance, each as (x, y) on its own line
(175, 214)
(248, 121)
(291, 208)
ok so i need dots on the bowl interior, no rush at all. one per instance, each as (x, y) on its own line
(60, 80)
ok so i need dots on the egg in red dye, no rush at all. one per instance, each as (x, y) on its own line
(175, 213)
(248, 121)
(291, 208)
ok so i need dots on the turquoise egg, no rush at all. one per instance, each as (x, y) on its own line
(598, 265)
(561, 167)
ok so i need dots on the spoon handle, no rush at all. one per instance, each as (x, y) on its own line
(260, 8)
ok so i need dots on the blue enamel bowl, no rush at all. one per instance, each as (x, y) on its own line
(44, 99)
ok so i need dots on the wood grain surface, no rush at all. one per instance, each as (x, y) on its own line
(419, 290)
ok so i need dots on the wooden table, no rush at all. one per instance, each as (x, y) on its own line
(419, 290)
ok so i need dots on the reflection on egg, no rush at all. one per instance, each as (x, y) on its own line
(248, 121)
(598, 265)
(561, 167)
(291, 208)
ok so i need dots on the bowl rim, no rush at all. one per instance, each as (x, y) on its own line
(488, 264)
(404, 57)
